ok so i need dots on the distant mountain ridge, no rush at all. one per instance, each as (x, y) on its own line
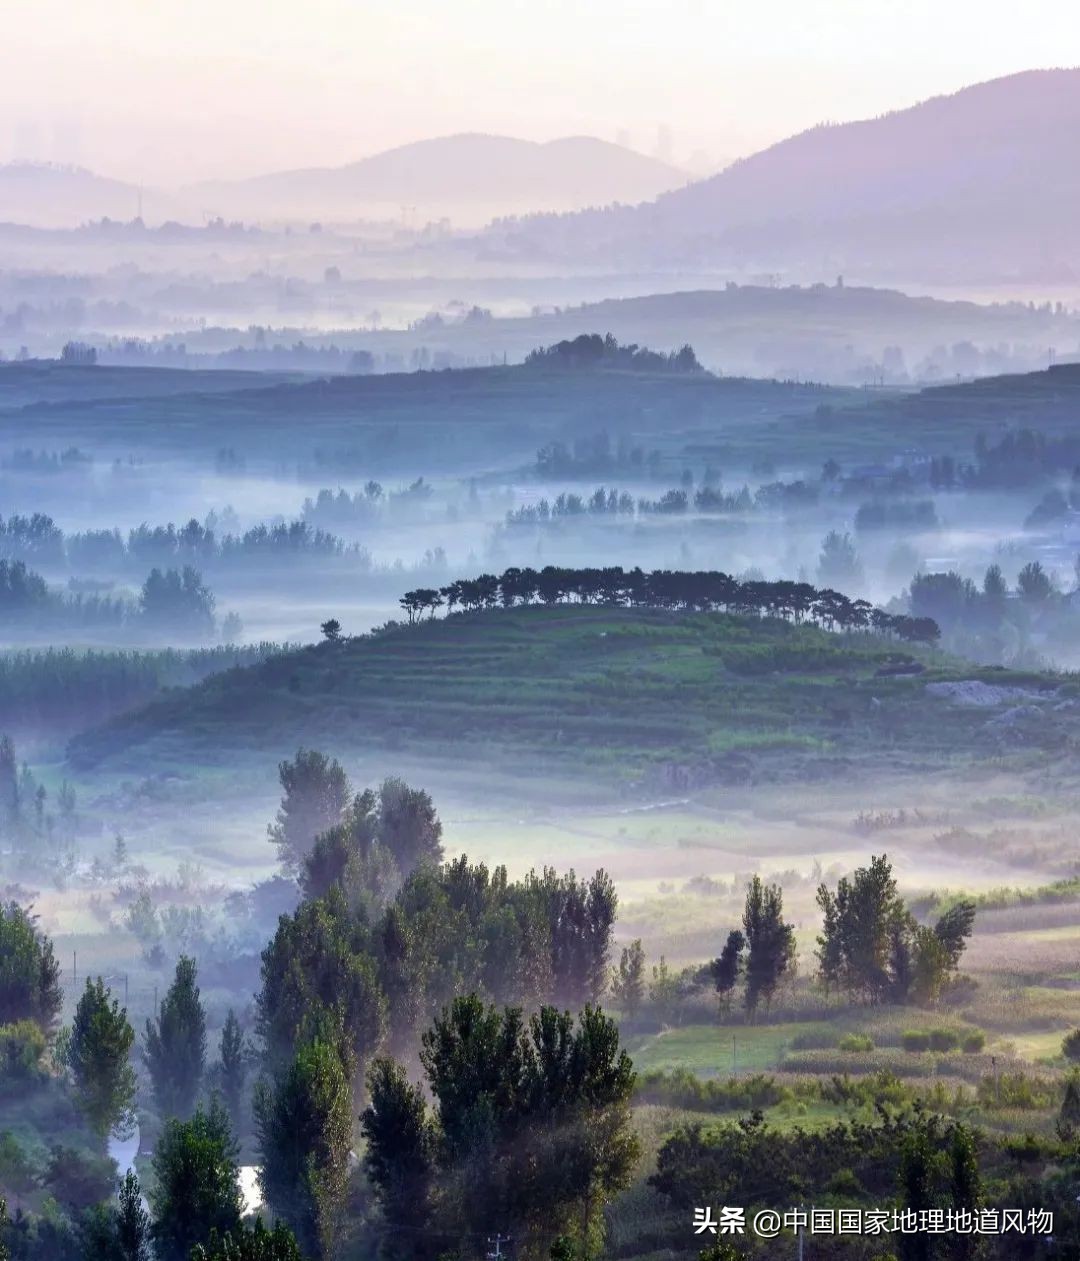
(464, 170)
(52, 195)
(990, 170)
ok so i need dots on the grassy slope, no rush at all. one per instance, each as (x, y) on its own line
(615, 694)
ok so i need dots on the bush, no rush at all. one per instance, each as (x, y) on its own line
(814, 1040)
(1018, 1090)
(973, 1042)
(1070, 1047)
(915, 1040)
(944, 1039)
(856, 1042)
(682, 1089)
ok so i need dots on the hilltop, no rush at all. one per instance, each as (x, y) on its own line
(619, 696)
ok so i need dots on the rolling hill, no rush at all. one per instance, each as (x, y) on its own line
(984, 181)
(467, 176)
(623, 697)
(835, 333)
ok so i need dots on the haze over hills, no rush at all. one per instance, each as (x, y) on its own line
(467, 177)
(64, 196)
(983, 181)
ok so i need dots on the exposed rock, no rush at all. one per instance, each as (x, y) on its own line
(981, 695)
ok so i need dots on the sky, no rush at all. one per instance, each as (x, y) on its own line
(165, 92)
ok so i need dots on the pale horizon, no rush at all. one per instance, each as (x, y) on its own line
(188, 92)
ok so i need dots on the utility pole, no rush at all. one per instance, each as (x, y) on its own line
(74, 967)
(496, 1253)
(734, 1060)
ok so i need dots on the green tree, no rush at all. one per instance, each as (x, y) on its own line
(965, 1185)
(1068, 1118)
(176, 1043)
(1070, 1046)
(917, 1182)
(304, 1124)
(233, 1065)
(858, 933)
(664, 991)
(250, 1243)
(409, 826)
(29, 973)
(770, 942)
(331, 630)
(720, 1250)
(120, 1232)
(99, 1061)
(628, 980)
(401, 1144)
(196, 1187)
(132, 1221)
(317, 969)
(995, 590)
(1034, 584)
(531, 1127)
(351, 856)
(726, 968)
(316, 794)
(839, 565)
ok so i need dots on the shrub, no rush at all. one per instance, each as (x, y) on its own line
(682, 1089)
(944, 1039)
(1070, 1047)
(856, 1042)
(1018, 1090)
(814, 1040)
(973, 1042)
(915, 1040)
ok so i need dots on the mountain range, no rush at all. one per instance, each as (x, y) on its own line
(467, 177)
(985, 179)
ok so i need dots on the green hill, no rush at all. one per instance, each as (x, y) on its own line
(619, 696)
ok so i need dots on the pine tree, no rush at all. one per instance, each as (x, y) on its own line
(98, 1057)
(176, 1044)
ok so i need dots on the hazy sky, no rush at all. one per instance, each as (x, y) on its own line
(165, 91)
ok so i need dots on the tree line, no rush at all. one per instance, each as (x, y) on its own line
(38, 539)
(701, 591)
